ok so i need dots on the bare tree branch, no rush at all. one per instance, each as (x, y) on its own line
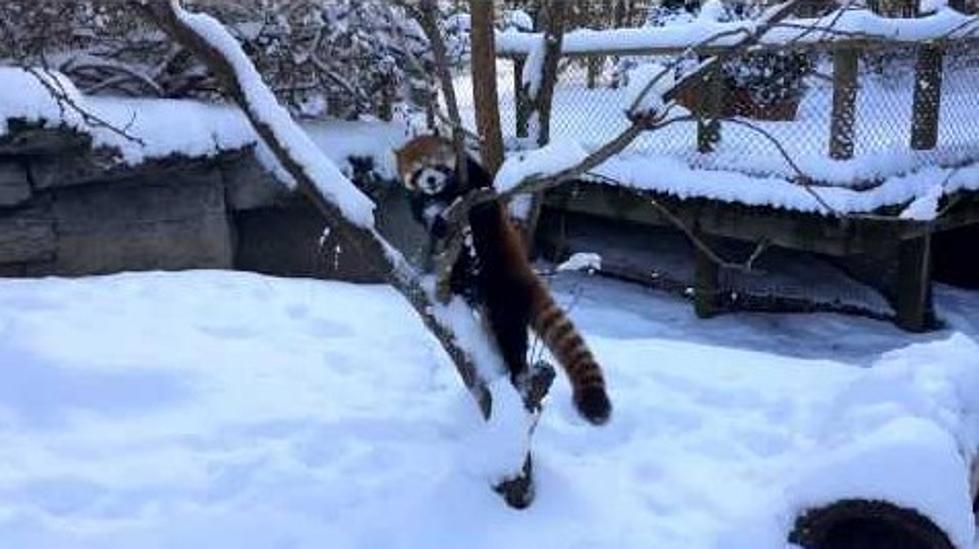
(56, 89)
(745, 267)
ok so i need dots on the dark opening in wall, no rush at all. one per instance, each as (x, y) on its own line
(782, 280)
(866, 524)
(956, 256)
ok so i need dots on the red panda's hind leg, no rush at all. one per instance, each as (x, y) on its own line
(509, 327)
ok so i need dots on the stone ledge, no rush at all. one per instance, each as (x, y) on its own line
(25, 138)
(15, 188)
(27, 235)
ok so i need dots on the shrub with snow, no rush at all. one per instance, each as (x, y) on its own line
(769, 78)
(342, 58)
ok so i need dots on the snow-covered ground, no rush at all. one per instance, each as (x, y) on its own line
(217, 409)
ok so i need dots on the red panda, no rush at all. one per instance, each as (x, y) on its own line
(510, 294)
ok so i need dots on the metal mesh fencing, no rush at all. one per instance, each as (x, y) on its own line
(591, 98)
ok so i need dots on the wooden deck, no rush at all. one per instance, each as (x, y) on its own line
(831, 236)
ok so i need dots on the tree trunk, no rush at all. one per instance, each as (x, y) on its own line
(554, 16)
(554, 20)
(485, 96)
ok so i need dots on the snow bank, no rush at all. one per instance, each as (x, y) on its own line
(943, 23)
(164, 410)
(906, 415)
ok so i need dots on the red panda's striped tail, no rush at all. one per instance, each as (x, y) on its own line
(568, 347)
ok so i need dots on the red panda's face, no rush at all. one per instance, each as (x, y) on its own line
(426, 164)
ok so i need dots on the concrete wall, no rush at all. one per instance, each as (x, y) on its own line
(69, 209)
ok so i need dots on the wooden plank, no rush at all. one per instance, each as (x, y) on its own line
(14, 186)
(790, 229)
(964, 212)
(24, 138)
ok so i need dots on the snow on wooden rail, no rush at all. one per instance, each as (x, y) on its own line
(854, 25)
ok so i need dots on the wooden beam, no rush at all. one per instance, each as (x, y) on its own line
(915, 312)
(706, 281)
(802, 231)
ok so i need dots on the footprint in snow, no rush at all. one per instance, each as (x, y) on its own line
(230, 332)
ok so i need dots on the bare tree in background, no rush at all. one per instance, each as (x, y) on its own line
(338, 58)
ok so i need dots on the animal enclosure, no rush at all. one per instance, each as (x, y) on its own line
(822, 138)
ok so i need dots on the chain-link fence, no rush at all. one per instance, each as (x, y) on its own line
(786, 98)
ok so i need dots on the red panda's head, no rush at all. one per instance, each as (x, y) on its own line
(426, 164)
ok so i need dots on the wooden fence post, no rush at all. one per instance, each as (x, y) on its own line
(595, 63)
(711, 101)
(520, 103)
(841, 134)
(706, 281)
(927, 97)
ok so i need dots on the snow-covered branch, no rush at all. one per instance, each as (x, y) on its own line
(348, 212)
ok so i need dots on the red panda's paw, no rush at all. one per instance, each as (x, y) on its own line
(593, 404)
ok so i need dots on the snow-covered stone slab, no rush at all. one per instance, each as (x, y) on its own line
(27, 235)
(172, 223)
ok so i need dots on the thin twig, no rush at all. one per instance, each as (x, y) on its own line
(746, 267)
(56, 89)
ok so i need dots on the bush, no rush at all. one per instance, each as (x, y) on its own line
(342, 58)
